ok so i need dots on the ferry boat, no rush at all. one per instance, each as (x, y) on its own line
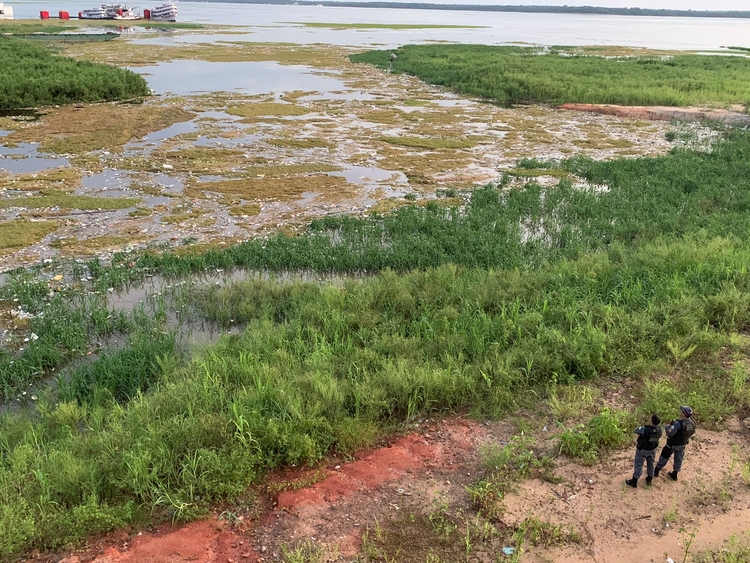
(109, 12)
(164, 13)
(6, 12)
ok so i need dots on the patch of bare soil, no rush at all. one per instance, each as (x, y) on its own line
(663, 113)
(408, 501)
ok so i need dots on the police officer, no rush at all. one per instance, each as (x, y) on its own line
(645, 450)
(679, 433)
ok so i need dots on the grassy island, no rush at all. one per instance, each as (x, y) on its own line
(570, 75)
(34, 76)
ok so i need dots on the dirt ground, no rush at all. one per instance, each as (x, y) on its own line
(343, 510)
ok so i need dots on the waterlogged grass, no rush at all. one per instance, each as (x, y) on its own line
(266, 109)
(529, 74)
(33, 76)
(76, 130)
(67, 201)
(627, 201)
(21, 233)
(428, 143)
(328, 367)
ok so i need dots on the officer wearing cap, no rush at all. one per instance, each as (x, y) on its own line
(679, 433)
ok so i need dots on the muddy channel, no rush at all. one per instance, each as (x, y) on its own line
(245, 139)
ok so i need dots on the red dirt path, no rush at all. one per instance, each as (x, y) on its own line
(209, 541)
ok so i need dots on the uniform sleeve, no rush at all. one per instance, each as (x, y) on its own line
(640, 430)
(672, 429)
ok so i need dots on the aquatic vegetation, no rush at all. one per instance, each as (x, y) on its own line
(79, 130)
(67, 201)
(21, 233)
(266, 109)
(529, 74)
(33, 76)
(280, 188)
(428, 143)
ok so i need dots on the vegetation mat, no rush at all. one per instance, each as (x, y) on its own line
(560, 75)
(34, 76)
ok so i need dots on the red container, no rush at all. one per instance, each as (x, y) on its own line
(44, 14)
(119, 12)
(64, 15)
(80, 15)
(146, 14)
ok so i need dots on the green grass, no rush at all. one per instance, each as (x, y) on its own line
(33, 76)
(67, 201)
(529, 74)
(482, 308)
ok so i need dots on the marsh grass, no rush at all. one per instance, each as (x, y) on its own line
(259, 109)
(67, 201)
(428, 143)
(33, 76)
(21, 233)
(527, 74)
(481, 308)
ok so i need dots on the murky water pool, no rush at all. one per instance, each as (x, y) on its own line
(24, 158)
(194, 77)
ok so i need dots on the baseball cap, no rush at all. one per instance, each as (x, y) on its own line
(687, 411)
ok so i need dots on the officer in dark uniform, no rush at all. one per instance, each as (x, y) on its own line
(679, 433)
(645, 450)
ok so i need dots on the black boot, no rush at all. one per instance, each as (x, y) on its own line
(648, 481)
(673, 475)
(632, 482)
(656, 472)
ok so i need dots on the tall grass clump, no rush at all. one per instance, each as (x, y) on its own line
(33, 76)
(530, 74)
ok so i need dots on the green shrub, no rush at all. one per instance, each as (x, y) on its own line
(605, 431)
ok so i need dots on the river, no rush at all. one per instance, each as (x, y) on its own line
(273, 23)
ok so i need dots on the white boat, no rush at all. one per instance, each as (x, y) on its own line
(93, 14)
(6, 12)
(164, 13)
(109, 12)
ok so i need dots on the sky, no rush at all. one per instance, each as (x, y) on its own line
(666, 4)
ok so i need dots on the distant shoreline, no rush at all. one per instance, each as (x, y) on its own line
(598, 10)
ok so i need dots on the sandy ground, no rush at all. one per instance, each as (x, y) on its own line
(348, 500)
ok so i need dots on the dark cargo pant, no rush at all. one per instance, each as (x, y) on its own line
(666, 453)
(641, 456)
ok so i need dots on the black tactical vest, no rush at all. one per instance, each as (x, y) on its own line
(687, 429)
(650, 438)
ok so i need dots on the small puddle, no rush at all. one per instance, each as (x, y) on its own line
(192, 77)
(364, 175)
(108, 180)
(22, 158)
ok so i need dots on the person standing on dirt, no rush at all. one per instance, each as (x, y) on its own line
(679, 433)
(645, 450)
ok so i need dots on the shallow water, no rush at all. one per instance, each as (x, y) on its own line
(23, 158)
(195, 77)
(274, 23)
